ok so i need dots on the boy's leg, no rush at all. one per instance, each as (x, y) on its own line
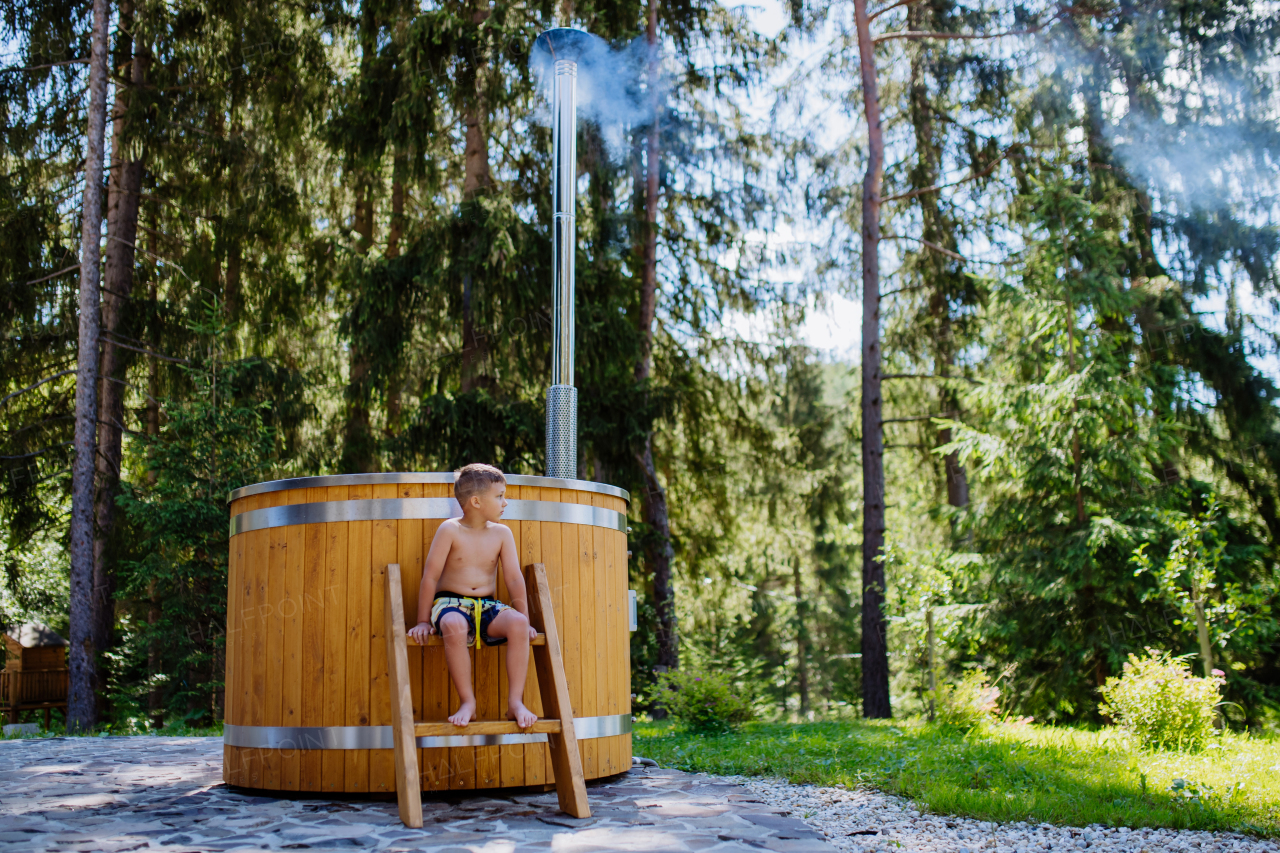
(513, 625)
(454, 629)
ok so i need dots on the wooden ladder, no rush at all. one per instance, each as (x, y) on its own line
(571, 787)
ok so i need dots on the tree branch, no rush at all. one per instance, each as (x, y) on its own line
(38, 452)
(909, 420)
(926, 376)
(903, 290)
(117, 343)
(919, 35)
(926, 243)
(74, 266)
(890, 8)
(50, 65)
(972, 177)
(9, 397)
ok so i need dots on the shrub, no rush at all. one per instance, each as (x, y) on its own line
(702, 702)
(1161, 703)
(968, 702)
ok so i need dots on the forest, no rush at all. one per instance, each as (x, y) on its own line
(243, 241)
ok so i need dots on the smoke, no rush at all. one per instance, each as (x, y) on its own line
(1205, 165)
(613, 92)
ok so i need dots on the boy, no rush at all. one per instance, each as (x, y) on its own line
(459, 583)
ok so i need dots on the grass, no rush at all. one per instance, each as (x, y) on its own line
(1002, 773)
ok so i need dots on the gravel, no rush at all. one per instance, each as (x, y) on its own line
(866, 821)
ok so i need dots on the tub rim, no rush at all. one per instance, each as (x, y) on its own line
(432, 477)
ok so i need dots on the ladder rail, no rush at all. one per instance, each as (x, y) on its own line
(408, 790)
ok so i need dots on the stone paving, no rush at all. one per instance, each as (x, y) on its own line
(149, 793)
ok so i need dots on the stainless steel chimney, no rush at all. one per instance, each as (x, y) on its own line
(565, 47)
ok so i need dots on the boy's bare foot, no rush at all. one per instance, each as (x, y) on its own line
(466, 713)
(522, 715)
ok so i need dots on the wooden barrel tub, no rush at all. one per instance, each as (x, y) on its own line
(307, 700)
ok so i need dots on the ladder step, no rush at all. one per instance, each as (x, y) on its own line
(437, 640)
(485, 727)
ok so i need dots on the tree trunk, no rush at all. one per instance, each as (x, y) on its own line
(359, 454)
(476, 179)
(81, 704)
(659, 556)
(124, 183)
(875, 650)
(658, 551)
(802, 640)
(653, 173)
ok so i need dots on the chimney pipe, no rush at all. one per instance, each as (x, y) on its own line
(565, 46)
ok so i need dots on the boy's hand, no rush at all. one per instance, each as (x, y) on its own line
(533, 633)
(421, 631)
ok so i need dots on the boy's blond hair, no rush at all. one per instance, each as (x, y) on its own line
(475, 479)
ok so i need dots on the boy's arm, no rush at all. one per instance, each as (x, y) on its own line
(515, 580)
(431, 572)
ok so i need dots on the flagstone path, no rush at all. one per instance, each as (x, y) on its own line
(120, 794)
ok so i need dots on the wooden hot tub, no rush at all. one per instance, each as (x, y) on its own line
(307, 702)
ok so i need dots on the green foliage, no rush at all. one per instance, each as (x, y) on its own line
(212, 442)
(703, 702)
(1161, 703)
(1191, 579)
(1003, 772)
(968, 702)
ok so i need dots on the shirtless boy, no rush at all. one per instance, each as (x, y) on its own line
(461, 577)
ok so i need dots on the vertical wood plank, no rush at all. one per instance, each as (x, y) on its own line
(313, 644)
(510, 758)
(462, 759)
(535, 754)
(624, 643)
(273, 628)
(291, 613)
(410, 553)
(247, 758)
(552, 543)
(359, 571)
(434, 764)
(260, 540)
(385, 548)
(591, 651)
(231, 765)
(569, 616)
(337, 535)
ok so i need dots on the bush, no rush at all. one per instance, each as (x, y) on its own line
(702, 702)
(967, 703)
(1161, 703)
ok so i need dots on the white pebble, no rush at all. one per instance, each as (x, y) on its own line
(904, 828)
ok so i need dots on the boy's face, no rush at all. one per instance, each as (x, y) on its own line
(492, 502)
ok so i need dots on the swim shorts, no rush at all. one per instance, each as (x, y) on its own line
(446, 602)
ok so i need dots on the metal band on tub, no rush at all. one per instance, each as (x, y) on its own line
(380, 737)
(396, 478)
(380, 509)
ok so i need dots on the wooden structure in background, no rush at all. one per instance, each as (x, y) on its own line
(571, 788)
(35, 672)
(307, 697)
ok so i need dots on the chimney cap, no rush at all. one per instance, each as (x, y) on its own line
(566, 43)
